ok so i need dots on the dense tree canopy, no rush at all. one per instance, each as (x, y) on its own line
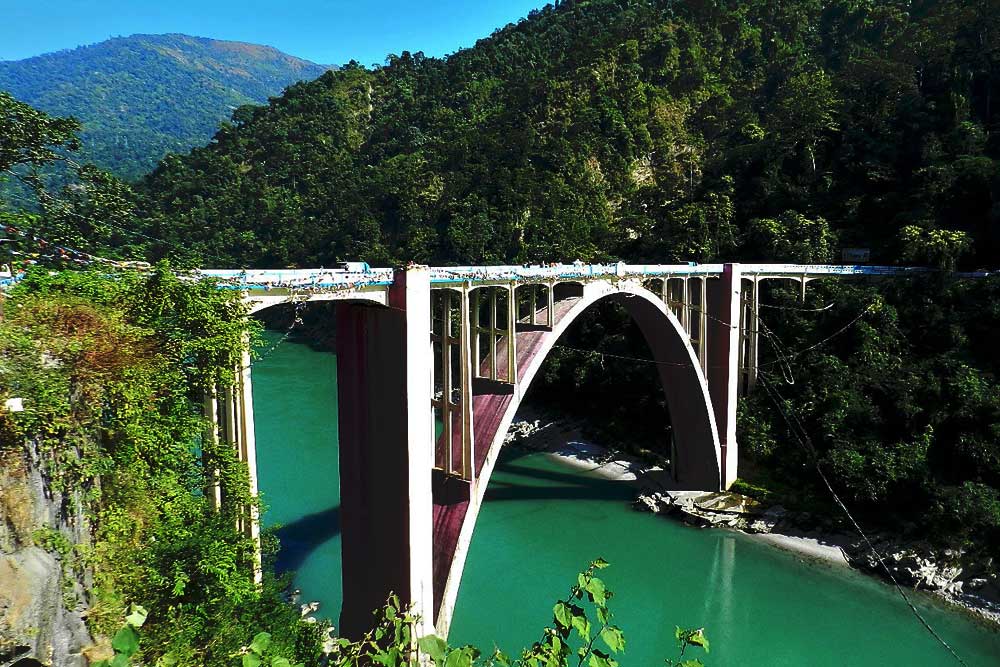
(668, 131)
(91, 210)
(664, 131)
(653, 130)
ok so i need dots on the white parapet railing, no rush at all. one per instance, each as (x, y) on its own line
(323, 279)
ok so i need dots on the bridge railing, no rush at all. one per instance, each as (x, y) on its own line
(333, 279)
(265, 279)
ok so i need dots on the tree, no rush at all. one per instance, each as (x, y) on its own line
(941, 248)
(791, 237)
(93, 212)
(29, 137)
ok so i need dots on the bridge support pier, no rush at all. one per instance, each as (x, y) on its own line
(229, 411)
(723, 363)
(386, 453)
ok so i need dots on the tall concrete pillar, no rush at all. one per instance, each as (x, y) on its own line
(248, 449)
(384, 383)
(723, 362)
(213, 489)
(230, 419)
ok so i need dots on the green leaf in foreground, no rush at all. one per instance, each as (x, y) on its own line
(433, 646)
(260, 642)
(614, 638)
(137, 617)
(126, 641)
(563, 614)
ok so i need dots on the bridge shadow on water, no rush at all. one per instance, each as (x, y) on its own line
(511, 482)
(530, 483)
(304, 535)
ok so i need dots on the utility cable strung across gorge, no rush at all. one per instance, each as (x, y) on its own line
(784, 361)
(640, 360)
(801, 436)
(835, 333)
(79, 257)
(806, 443)
(795, 308)
(65, 253)
(64, 209)
(299, 305)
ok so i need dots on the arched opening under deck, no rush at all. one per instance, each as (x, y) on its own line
(698, 461)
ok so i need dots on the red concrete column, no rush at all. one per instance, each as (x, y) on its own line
(386, 452)
(723, 373)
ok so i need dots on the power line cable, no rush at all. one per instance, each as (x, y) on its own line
(796, 308)
(802, 437)
(806, 443)
(64, 209)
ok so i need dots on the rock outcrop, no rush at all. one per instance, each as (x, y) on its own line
(955, 574)
(42, 595)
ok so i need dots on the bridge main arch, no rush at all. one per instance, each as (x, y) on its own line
(698, 463)
(408, 519)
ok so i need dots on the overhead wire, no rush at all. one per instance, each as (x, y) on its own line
(795, 426)
(801, 436)
(64, 209)
(299, 305)
(796, 308)
(83, 258)
(837, 332)
(806, 443)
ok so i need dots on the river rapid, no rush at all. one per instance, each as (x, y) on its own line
(543, 521)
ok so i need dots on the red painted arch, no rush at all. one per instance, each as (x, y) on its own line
(698, 463)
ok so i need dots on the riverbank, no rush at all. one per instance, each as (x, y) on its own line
(950, 575)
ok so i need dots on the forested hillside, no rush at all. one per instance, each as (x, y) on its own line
(144, 96)
(652, 130)
(673, 131)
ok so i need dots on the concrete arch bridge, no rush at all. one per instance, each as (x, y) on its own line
(432, 364)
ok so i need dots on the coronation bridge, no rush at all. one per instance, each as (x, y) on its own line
(432, 364)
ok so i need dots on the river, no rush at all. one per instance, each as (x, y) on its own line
(542, 522)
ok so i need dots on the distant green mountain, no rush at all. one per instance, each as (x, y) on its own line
(144, 96)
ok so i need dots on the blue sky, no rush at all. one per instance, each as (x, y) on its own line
(326, 32)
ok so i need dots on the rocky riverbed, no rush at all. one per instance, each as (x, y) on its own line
(962, 578)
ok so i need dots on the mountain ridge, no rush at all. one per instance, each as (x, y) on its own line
(143, 96)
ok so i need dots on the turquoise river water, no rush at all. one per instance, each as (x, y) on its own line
(543, 522)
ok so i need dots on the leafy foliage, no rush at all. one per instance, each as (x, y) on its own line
(126, 641)
(896, 386)
(30, 137)
(685, 639)
(578, 636)
(111, 370)
(89, 211)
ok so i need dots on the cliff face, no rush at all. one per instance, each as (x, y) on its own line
(42, 581)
